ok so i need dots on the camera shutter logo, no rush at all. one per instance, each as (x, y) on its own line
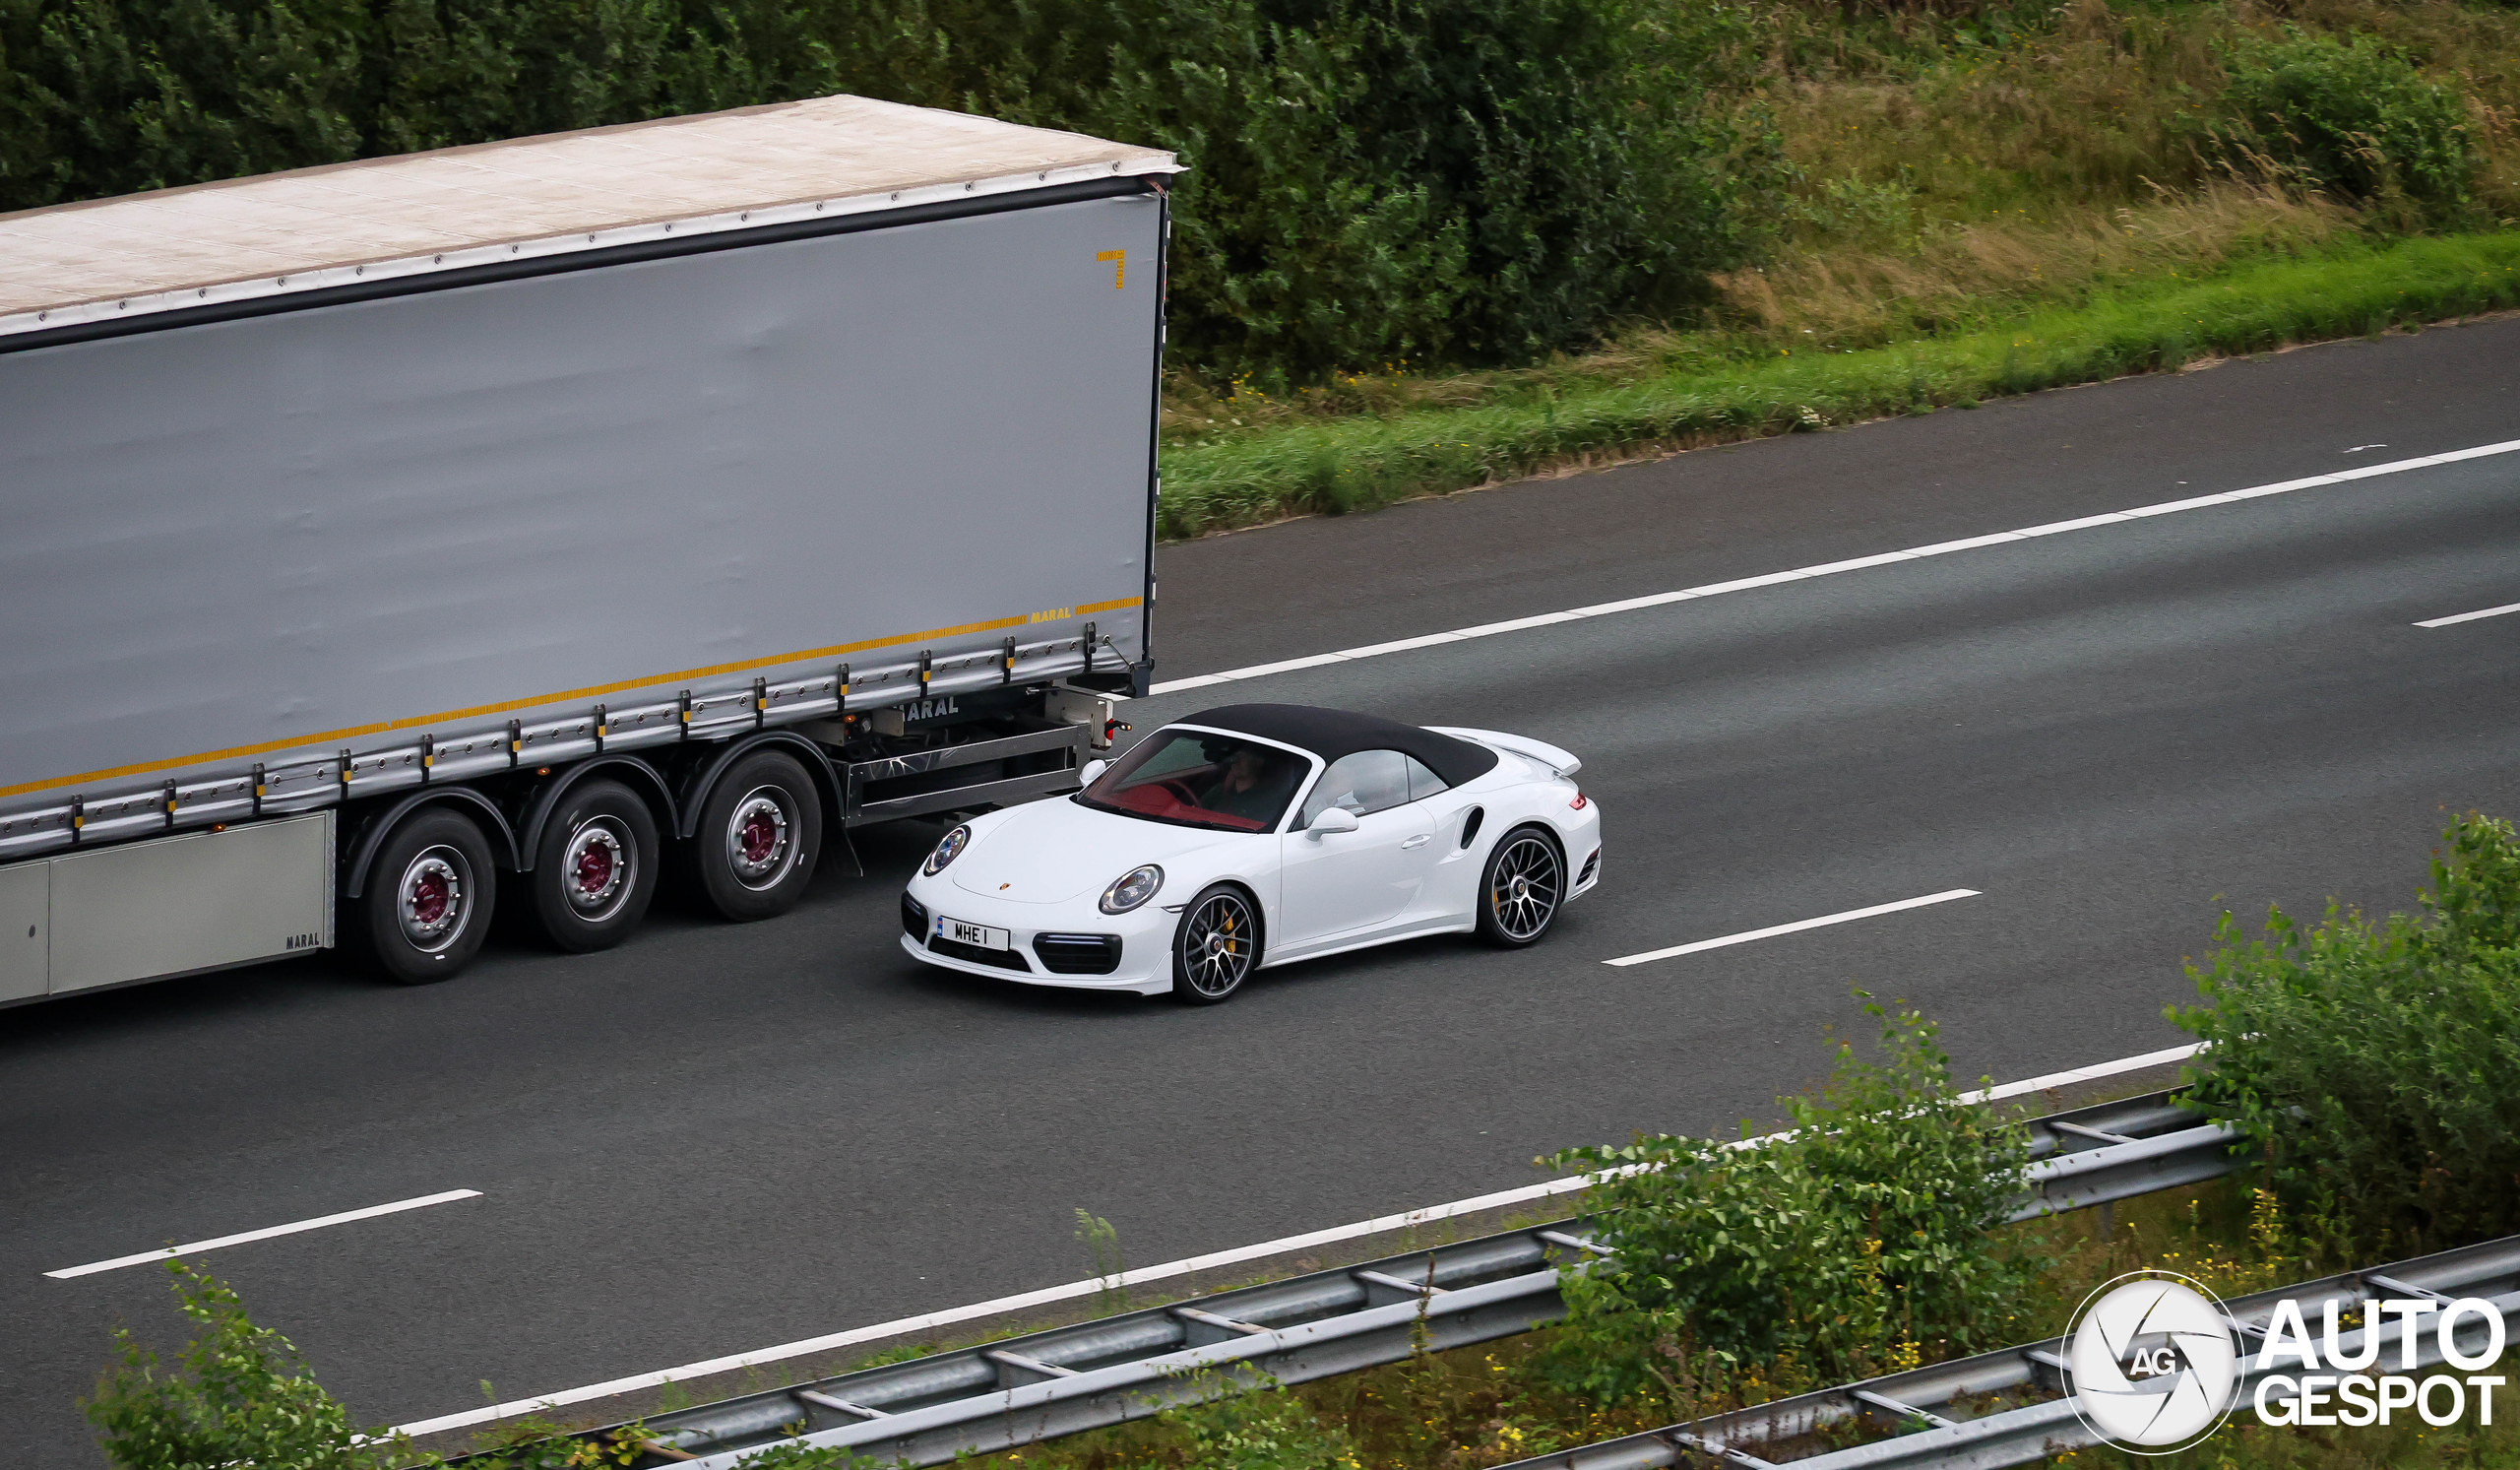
(2156, 1362)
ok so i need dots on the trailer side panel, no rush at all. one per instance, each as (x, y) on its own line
(442, 510)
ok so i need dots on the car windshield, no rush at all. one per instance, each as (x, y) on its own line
(1200, 779)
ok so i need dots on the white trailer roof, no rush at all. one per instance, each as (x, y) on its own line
(378, 219)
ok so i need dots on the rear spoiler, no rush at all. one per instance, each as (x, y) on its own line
(1563, 762)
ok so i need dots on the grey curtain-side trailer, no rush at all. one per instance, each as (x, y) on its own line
(395, 540)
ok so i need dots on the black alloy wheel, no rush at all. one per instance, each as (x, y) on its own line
(759, 834)
(595, 867)
(1217, 946)
(430, 893)
(1519, 895)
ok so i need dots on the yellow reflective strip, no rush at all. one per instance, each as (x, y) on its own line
(589, 692)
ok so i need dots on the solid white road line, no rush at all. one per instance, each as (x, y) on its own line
(344, 1218)
(2443, 622)
(2075, 1076)
(1795, 927)
(1430, 1215)
(1833, 568)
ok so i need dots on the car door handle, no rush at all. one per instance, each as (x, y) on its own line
(1418, 841)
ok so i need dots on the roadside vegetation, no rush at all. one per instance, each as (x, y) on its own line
(2373, 1058)
(2368, 1059)
(1430, 246)
(1582, 414)
(1488, 1406)
(1972, 200)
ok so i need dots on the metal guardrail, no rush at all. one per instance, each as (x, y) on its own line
(2118, 1150)
(1007, 1394)
(2020, 1433)
(1011, 1393)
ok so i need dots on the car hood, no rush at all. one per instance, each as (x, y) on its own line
(1053, 852)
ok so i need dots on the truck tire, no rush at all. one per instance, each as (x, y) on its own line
(429, 898)
(759, 833)
(594, 868)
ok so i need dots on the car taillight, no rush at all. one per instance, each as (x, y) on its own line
(1581, 802)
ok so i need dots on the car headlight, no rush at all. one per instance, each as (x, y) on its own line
(1132, 888)
(948, 847)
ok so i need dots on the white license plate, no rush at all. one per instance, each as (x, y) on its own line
(977, 935)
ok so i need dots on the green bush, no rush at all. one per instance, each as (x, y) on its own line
(1463, 181)
(2375, 1060)
(2350, 117)
(1261, 1428)
(1474, 181)
(243, 1397)
(1856, 1246)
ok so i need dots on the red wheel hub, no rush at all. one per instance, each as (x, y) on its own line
(760, 837)
(594, 868)
(429, 898)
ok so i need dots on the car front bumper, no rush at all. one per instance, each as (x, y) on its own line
(1143, 938)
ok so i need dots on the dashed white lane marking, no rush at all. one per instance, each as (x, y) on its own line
(2443, 622)
(1002, 1306)
(1795, 927)
(1833, 568)
(197, 1247)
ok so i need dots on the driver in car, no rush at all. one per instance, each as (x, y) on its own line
(1246, 787)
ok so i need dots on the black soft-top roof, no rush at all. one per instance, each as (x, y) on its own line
(1332, 733)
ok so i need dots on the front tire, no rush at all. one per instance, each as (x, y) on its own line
(1217, 946)
(595, 867)
(429, 898)
(1522, 888)
(759, 835)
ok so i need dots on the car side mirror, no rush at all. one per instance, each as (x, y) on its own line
(1332, 819)
(1092, 771)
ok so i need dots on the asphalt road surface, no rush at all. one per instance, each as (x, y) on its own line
(717, 1138)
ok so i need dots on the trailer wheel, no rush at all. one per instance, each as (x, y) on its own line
(758, 836)
(595, 867)
(429, 898)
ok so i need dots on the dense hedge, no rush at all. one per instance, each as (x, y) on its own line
(1455, 181)
(2372, 1058)
(2348, 115)
(1854, 1244)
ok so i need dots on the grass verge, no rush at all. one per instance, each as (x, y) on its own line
(1356, 464)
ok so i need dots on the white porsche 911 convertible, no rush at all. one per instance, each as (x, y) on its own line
(1255, 835)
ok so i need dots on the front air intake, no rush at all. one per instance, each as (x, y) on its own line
(1077, 954)
(1002, 959)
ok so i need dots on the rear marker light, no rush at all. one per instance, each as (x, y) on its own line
(1580, 802)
